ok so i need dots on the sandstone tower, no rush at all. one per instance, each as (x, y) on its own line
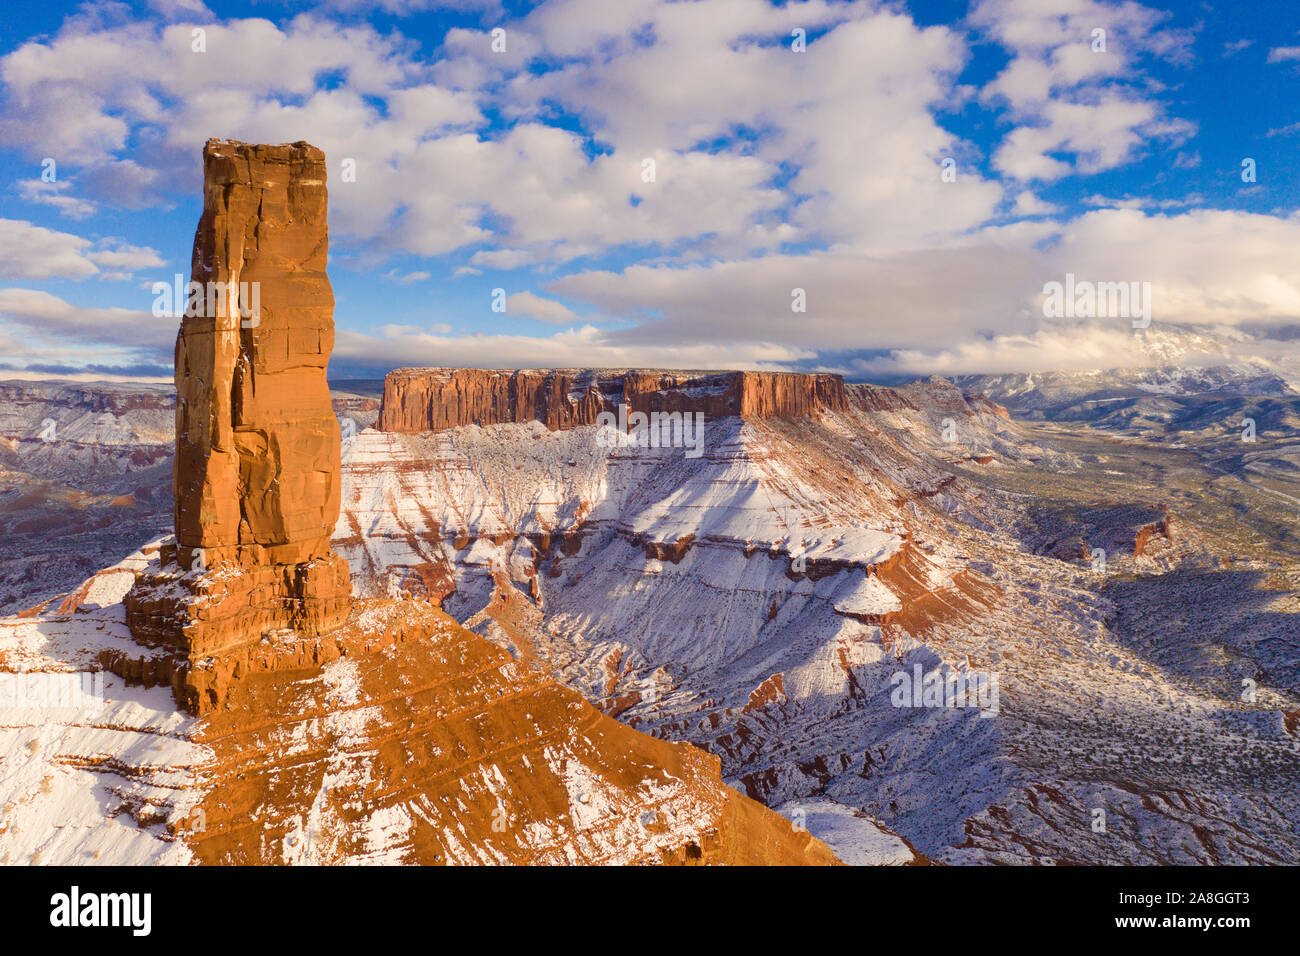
(257, 445)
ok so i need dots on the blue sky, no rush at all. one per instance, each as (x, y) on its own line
(774, 170)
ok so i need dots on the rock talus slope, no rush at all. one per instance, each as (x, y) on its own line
(399, 737)
(422, 742)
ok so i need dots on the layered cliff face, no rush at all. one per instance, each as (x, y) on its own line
(434, 399)
(257, 444)
(90, 437)
(22, 402)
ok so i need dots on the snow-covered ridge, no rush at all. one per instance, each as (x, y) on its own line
(496, 765)
(111, 781)
(1041, 390)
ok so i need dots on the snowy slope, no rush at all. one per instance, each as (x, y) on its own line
(670, 590)
(108, 779)
(422, 743)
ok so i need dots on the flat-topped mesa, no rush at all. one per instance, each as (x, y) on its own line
(433, 399)
(256, 477)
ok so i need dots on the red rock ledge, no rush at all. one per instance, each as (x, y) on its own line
(433, 399)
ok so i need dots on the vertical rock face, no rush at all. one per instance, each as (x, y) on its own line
(257, 445)
(432, 399)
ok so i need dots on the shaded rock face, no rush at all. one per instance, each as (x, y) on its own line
(256, 474)
(1164, 528)
(942, 395)
(880, 398)
(433, 399)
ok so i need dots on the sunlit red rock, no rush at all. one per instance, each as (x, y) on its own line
(433, 399)
(257, 444)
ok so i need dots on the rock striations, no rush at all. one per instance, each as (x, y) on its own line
(257, 445)
(435, 399)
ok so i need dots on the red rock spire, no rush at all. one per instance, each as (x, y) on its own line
(257, 445)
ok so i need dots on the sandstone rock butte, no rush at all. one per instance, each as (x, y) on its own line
(257, 444)
(433, 399)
